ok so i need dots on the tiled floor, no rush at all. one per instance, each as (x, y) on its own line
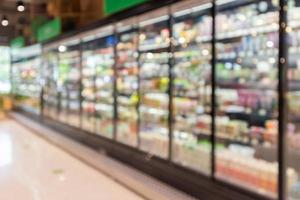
(33, 169)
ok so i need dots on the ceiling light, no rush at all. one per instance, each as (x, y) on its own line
(62, 48)
(4, 21)
(20, 6)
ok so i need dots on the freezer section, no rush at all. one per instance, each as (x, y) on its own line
(50, 75)
(127, 85)
(247, 100)
(88, 81)
(26, 80)
(192, 87)
(154, 86)
(104, 57)
(69, 83)
(293, 98)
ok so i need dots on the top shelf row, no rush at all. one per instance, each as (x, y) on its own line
(191, 24)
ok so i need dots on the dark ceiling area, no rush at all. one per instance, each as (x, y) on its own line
(19, 22)
(73, 13)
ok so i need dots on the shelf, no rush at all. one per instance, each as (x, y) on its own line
(187, 97)
(252, 85)
(249, 31)
(154, 48)
(153, 111)
(294, 85)
(153, 78)
(262, 54)
(145, 91)
(123, 94)
(244, 32)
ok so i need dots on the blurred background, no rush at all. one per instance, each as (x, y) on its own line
(25, 17)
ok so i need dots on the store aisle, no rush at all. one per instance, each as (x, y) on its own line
(33, 169)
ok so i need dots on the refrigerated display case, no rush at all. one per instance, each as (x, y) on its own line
(192, 84)
(99, 56)
(154, 74)
(5, 83)
(127, 67)
(50, 77)
(89, 63)
(246, 92)
(69, 74)
(26, 79)
(293, 115)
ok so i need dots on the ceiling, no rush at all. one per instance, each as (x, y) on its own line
(73, 13)
(19, 21)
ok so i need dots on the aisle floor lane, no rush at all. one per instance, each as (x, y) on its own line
(33, 169)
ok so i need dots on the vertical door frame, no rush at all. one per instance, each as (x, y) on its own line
(282, 93)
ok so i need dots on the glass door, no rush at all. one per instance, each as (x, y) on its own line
(88, 81)
(246, 89)
(26, 79)
(50, 96)
(103, 56)
(69, 82)
(293, 102)
(192, 85)
(127, 82)
(154, 82)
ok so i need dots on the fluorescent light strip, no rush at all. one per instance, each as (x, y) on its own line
(88, 38)
(190, 10)
(220, 2)
(182, 12)
(155, 20)
(103, 34)
(26, 52)
(96, 36)
(202, 7)
(124, 28)
(71, 43)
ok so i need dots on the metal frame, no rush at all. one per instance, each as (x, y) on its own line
(282, 115)
(58, 95)
(282, 101)
(80, 85)
(213, 92)
(115, 89)
(171, 85)
(138, 59)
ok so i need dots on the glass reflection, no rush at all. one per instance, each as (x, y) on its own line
(246, 121)
(293, 126)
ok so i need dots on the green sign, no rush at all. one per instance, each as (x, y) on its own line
(113, 6)
(18, 42)
(36, 24)
(49, 30)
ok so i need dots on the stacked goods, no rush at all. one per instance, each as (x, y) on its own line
(251, 172)
(231, 128)
(294, 103)
(192, 154)
(203, 124)
(155, 142)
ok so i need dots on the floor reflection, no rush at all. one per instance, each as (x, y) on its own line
(5, 149)
(33, 169)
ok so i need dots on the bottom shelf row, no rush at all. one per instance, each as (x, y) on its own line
(247, 166)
